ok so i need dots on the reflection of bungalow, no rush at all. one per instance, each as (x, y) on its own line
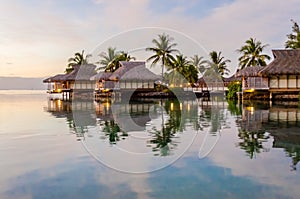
(281, 121)
(278, 80)
(78, 79)
(129, 76)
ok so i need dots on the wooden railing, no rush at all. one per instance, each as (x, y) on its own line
(255, 83)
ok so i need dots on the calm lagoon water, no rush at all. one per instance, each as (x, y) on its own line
(147, 149)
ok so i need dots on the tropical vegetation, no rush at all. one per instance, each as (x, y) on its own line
(163, 50)
(110, 60)
(218, 63)
(199, 63)
(78, 59)
(293, 41)
(252, 54)
(233, 88)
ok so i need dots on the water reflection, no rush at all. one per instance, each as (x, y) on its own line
(158, 122)
(259, 122)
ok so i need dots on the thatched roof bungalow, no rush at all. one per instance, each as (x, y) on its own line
(284, 71)
(251, 80)
(78, 79)
(131, 75)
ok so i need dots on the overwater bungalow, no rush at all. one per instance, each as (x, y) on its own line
(131, 76)
(283, 74)
(277, 80)
(251, 80)
(103, 82)
(134, 76)
(77, 80)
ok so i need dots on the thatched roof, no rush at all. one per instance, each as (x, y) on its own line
(101, 76)
(81, 72)
(231, 78)
(55, 78)
(134, 71)
(252, 71)
(286, 62)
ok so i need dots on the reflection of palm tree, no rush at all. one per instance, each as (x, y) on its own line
(293, 151)
(235, 109)
(111, 129)
(163, 139)
(213, 117)
(252, 141)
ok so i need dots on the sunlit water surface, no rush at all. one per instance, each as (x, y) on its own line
(191, 149)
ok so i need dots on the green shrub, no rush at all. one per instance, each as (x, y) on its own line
(233, 88)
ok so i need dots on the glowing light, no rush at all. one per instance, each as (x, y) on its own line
(188, 107)
(172, 85)
(180, 106)
(250, 90)
(59, 104)
(106, 104)
(250, 109)
(172, 106)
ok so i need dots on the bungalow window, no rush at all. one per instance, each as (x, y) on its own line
(273, 82)
(292, 81)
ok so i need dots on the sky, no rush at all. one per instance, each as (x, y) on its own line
(37, 37)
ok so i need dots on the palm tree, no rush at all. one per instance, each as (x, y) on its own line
(78, 59)
(115, 63)
(107, 58)
(185, 67)
(111, 59)
(163, 49)
(218, 64)
(252, 54)
(199, 63)
(293, 41)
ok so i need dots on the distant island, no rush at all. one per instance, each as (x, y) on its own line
(21, 83)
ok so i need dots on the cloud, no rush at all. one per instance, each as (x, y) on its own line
(58, 29)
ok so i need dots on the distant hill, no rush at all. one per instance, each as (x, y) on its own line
(22, 83)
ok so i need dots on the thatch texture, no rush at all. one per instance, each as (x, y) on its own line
(55, 78)
(101, 76)
(286, 62)
(81, 72)
(252, 71)
(231, 78)
(134, 71)
(228, 80)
